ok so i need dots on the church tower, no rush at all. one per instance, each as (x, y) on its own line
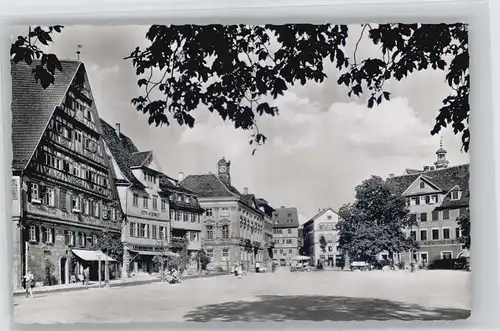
(441, 161)
(223, 170)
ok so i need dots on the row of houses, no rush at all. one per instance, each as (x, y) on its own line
(436, 195)
(78, 180)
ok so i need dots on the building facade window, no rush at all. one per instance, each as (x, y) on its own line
(209, 212)
(145, 202)
(423, 235)
(70, 238)
(423, 217)
(446, 214)
(435, 234)
(163, 205)
(135, 200)
(225, 232)
(33, 232)
(446, 233)
(153, 232)
(210, 232)
(446, 255)
(455, 195)
(435, 215)
(155, 202)
(422, 185)
(457, 233)
(75, 204)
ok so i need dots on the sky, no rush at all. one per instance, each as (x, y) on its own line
(319, 148)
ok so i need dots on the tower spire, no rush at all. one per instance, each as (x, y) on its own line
(441, 161)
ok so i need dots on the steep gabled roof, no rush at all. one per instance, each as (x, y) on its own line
(121, 149)
(446, 179)
(139, 158)
(33, 106)
(208, 186)
(268, 210)
(321, 212)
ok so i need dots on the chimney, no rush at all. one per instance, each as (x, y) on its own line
(391, 175)
(117, 129)
(245, 190)
(181, 176)
(426, 168)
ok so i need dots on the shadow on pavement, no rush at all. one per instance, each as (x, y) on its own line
(319, 308)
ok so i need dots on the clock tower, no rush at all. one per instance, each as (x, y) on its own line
(223, 172)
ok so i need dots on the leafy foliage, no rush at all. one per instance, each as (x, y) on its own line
(464, 224)
(374, 222)
(25, 49)
(203, 258)
(237, 70)
(111, 246)
(180, 245)
(407, 48)
(322, 243)
(234, 70)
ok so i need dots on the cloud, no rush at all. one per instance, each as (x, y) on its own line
(320, 146)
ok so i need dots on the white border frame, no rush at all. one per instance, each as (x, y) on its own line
(484, 145)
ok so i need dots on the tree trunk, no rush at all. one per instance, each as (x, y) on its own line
(347, 264)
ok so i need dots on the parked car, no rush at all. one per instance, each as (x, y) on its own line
(449, 264)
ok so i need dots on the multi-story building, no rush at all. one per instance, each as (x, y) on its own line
(268, 230)
(146, 232)
(321, 237)
(233, 222)
(185, 216)
(285, 235)
(63, 193)
(436, 196)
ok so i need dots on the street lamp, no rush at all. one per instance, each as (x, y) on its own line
(105, 235)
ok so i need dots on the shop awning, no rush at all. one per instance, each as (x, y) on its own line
(170, 254)
(92, 255)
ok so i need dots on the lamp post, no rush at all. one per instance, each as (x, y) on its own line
(105, 235)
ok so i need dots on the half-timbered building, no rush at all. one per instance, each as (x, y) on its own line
(63, 195)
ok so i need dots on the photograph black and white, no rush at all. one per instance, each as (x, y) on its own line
(250, 173)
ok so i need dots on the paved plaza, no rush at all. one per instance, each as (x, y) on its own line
(283, 296)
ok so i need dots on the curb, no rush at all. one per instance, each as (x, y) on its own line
(49, 290)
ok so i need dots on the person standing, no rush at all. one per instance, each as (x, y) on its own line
(86, 275)
(30, 284)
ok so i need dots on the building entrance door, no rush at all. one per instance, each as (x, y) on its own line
(64, 272)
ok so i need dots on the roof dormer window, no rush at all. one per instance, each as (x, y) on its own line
(422, 185)
(455, 195)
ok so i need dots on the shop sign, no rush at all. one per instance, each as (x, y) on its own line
(439, 242)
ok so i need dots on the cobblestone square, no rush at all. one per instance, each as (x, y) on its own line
(283, 296)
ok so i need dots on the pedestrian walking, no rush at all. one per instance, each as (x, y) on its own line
(86, 275)
(30, 284)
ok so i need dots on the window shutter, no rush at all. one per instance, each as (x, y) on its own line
(62, 200)
(28, 191)
(66, 237)
(44, 234)
(37, 233)
(56, 197)
(53, 239)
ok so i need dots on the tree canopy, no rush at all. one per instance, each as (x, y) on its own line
(464, 224)
(238, 70)
(375, 222)
(111, 245)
